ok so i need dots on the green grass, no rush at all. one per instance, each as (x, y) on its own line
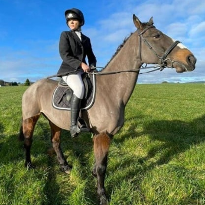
(157, 158)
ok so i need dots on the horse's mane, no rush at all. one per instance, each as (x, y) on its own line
(125, 40)
(118, 49)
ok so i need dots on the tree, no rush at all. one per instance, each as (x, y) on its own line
(1, 82)
(27, 83)
(14, 84)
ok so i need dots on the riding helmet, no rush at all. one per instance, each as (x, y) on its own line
(74, 14)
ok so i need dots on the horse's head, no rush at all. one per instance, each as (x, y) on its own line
(158, 48)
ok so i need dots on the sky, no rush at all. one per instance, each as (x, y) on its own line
(30, 31)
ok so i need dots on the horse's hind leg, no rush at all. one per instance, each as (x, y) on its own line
(55, 138)
(26, 134)
(101, 147)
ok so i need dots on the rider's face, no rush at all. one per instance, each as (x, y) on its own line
(73, 24)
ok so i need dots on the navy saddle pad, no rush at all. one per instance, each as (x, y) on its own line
(62, 94)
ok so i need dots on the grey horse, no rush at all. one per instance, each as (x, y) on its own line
(105, 118)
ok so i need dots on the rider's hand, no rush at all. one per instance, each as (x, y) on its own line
(85, 67)
(92, 67)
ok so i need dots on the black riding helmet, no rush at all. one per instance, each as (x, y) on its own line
(74, 14)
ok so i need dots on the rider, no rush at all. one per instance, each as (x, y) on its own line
(74, 47)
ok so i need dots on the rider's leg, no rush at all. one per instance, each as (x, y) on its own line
(76, 84)
(75, 109)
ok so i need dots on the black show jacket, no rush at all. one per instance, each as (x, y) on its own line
(73, 52)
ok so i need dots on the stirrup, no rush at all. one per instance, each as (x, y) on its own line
(74, 130)
(82, 125)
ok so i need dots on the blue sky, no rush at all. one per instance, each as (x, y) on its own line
(30, 31)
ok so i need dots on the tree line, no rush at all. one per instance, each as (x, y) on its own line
(26, 83)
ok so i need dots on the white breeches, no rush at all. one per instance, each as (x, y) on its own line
(75, 82)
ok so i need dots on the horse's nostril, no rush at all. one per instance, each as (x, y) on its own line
(191, 60)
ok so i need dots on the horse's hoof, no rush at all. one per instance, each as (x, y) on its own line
(103, 200)
(29, 166)
(94, 173)
(66, 168)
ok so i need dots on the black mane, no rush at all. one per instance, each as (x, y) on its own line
(123, 43)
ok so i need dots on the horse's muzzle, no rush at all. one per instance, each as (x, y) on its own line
(191, 61)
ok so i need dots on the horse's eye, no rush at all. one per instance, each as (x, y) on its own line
(157, 36)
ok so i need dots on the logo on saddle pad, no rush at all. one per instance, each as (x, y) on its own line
(63, 93)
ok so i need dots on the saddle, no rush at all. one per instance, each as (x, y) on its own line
(63, 94)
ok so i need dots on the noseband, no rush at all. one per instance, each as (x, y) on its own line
(162, 59)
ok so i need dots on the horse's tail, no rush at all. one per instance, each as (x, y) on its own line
(21, 135)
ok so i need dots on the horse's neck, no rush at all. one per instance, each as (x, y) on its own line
(122, 84)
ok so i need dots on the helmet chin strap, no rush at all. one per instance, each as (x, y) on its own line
(79, 29)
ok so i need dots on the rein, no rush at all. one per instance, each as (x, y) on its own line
(127, 71)
(94, 72)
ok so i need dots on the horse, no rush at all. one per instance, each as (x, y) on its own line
(114, 86)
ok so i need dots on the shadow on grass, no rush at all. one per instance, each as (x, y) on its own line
(1, 136)
(1, 128)
(175, 137)
(12, 152)
(80, 149)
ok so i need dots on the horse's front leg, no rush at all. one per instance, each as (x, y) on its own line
(55, 138)
(101, 148)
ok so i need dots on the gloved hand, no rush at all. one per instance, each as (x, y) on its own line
(92, 67)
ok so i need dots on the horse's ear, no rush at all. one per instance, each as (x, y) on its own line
(137, 22)
(151, 22)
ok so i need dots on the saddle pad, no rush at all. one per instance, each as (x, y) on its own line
(62, 95)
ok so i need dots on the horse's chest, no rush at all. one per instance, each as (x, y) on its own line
(112, 121)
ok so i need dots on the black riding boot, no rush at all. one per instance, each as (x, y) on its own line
(77, 124)
(75, 109)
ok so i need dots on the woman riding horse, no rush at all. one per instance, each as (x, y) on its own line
(73, 48)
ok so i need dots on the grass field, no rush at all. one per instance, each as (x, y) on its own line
(157, 158)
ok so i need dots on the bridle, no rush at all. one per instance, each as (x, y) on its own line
(162, 63)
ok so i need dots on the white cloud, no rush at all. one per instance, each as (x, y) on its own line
(116, 36)
(117, 21)
(35, 63)
(177, 30)
(198, 30)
